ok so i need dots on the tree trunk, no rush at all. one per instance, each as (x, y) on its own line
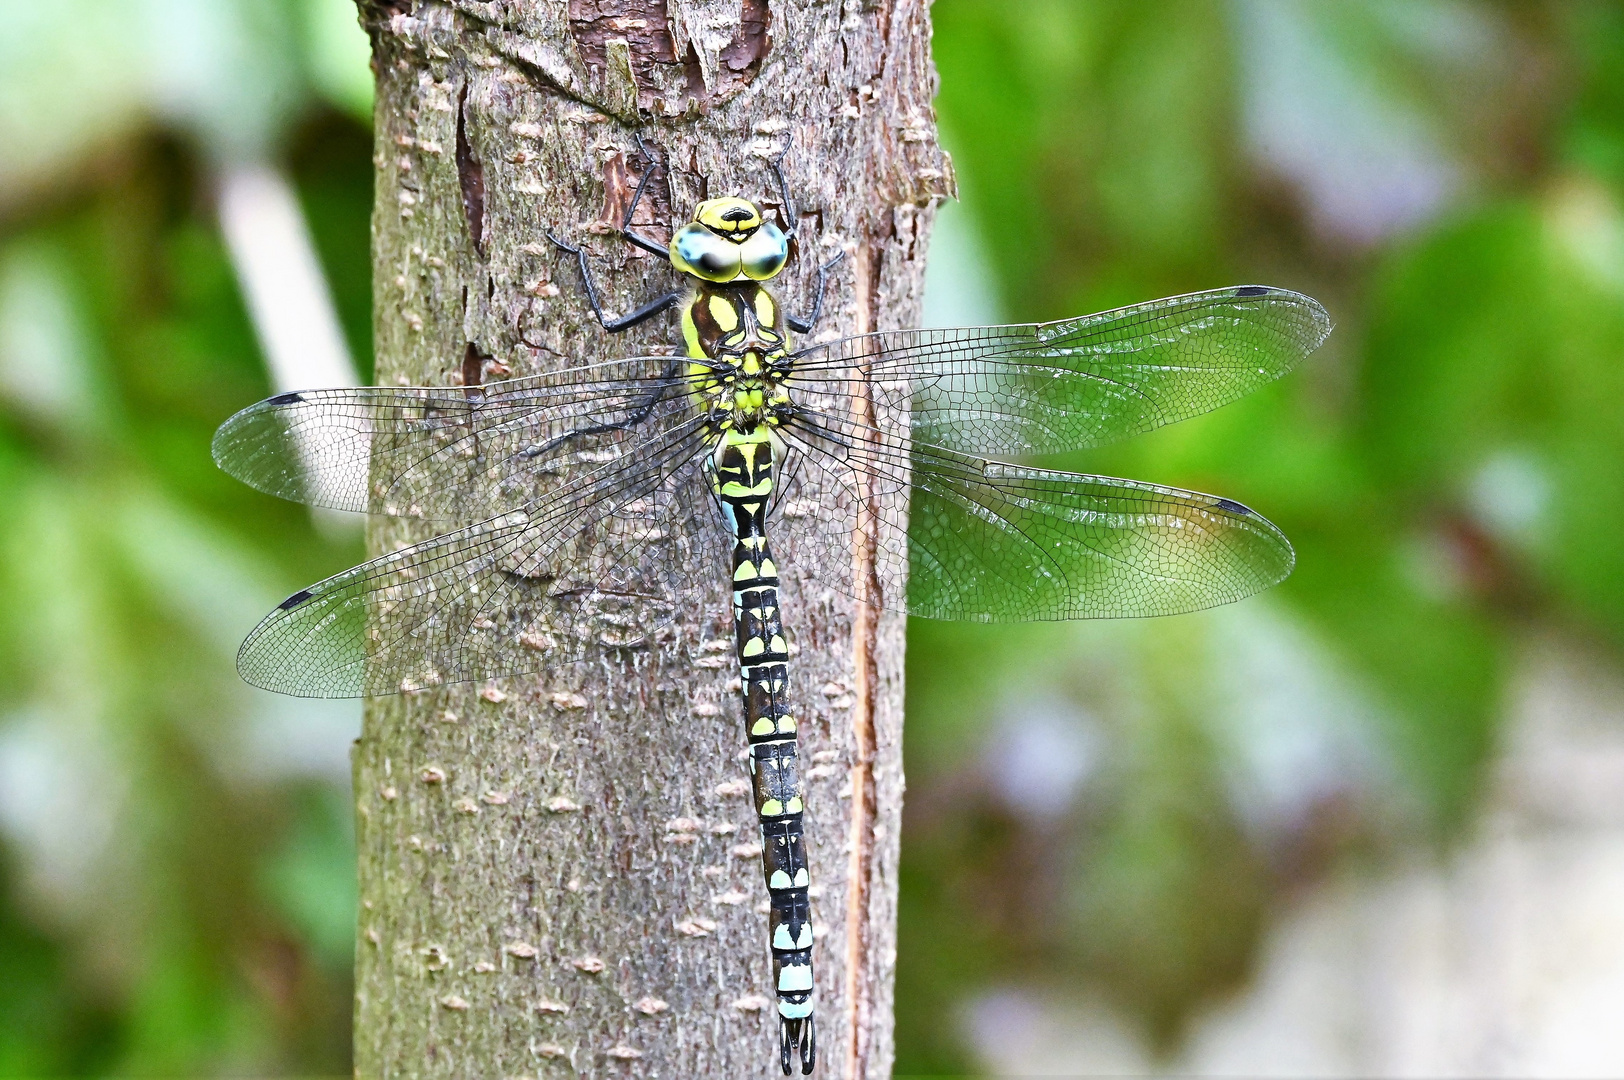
(559, 873)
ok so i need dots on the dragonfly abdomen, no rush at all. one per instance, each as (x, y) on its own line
(743, 481)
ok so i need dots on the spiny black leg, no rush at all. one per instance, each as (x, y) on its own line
(639, 239)
(642, 314)
(668, 380)
(792, 220)
(625, 322)
(804, 326)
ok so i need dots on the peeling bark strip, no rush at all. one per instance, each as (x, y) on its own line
(471, 177)
(861, 839)
(677, 54)
(594, 912)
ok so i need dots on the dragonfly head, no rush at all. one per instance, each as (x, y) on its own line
(732, 217)
(729, 240)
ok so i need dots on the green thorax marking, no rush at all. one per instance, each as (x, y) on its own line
(731, 319)
(737, 342)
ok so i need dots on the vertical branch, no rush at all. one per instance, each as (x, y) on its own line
(557, 872)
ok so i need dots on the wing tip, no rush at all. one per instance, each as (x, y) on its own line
(220, 445)
(253, 671)
(227, 434)
(264, 661)
(1318, 316)
(1283, 559)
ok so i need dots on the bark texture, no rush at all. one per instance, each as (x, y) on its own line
(560, 874)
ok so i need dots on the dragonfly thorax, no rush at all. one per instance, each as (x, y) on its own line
(738, 352)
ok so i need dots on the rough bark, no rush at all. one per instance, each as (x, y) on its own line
(558, 873)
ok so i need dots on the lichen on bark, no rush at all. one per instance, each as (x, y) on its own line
(559, 873)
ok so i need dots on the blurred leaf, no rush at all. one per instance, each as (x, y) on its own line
(1501, 334)
(311, 878)
(340, 56)
(136, 837)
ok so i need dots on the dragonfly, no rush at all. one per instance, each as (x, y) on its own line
(589, 499)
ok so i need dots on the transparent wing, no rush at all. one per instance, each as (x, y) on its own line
(992, 542)
(443, 452)
(886, 444)
(1050, 387)
(588, 566)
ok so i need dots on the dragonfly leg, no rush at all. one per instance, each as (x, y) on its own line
(804, 326)
(644, 242)
(624, 322)
(792, 220)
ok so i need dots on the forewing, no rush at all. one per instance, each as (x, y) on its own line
(1051, 387)
(992, 542)
(446, 452)
(550, 582)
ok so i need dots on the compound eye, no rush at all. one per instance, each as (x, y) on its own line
(764, 253)
(698, 251)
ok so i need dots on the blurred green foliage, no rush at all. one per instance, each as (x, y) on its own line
(178, 890)
(1113, 810)
(1446, 179)
(191, 915)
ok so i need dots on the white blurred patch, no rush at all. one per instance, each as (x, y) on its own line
(288, 299)
(1296, 727)
(71, 82)
(44, 349)
(1016, 1033)
(1510, 496)
(282, 280)
(1323, 116)
(77, 76)
(61, 794)
(1502, 957)
(298, 738)
(1584, 218)
(960, 289)
(229, 71)
(1041, 753)
(1589, 229)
